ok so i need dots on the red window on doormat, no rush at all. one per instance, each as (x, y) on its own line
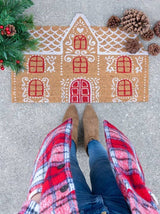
(124, 64)
(80, 42)
(124, 88)
(36, 88)
(80, 91)
(80, 65)
(36, 64)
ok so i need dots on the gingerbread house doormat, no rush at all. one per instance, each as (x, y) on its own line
(81, 63)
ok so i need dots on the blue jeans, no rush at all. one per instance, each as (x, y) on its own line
(105, 194)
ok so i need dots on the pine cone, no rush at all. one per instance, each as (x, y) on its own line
(157, 29)
(154, 49)
(135, 21)
(12, 30)
(149, 35)
(132, 46)
(113, 21)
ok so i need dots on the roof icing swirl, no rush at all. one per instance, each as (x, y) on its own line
(110, 41)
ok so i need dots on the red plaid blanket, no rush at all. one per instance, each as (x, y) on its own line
(128, 171)
(52, 174)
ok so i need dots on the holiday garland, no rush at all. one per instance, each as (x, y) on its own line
(14, 35)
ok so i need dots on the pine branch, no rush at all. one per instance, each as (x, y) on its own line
(17, 7)
(29, 21)
(1, 5)
(5, 18)
(18, 39)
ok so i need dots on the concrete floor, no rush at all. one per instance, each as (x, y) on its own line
(24, 126)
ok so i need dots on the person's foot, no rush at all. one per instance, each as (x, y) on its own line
(72, 113)
(90, 125)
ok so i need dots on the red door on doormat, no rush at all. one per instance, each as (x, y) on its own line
(80, 91)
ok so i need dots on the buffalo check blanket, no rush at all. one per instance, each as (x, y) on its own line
(52, 174)
(128, 171)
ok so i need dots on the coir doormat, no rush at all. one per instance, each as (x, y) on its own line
(81, 63)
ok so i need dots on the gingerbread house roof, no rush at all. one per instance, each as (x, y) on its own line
(110, 41)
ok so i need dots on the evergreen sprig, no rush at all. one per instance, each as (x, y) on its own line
(13, 45)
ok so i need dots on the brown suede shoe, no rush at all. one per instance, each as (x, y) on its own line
(72, 113)
(90, 125)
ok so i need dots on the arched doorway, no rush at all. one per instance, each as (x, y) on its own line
(80, 91)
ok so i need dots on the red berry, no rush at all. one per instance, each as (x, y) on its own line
(1, 26)
(1, 60)
(7, 29)
(8, 32)
(17, 61)
(2, 33)
(2, 67)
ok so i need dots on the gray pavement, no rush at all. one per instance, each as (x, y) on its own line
(24, 126)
